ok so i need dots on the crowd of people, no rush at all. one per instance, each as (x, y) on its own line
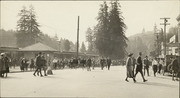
(73, 63)
(41, 63)
(87, 62)
(134, 66)
(140, 65)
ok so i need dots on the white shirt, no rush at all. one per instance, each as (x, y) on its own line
(154, 62)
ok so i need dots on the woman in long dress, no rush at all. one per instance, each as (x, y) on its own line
(129, 67)
(2, 65)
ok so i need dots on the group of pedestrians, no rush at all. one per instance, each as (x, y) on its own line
(40, 63)
(139, 65)
(88, 62)
(24, 64)
(132, 71)
(105, 62)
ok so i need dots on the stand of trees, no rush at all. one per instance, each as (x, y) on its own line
(27, 27)
(108, 35)
(28, 32)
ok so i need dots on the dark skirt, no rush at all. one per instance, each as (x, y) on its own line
(155, 68)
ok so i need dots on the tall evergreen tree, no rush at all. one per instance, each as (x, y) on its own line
(117, 29)
(67, 45)
(22, 27)
(22, 23)
(33, 26)
(27, 27)
(90, 39)
(101, 30)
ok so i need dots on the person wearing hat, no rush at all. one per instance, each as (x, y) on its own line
(2, 64)
(139, 66)
(129, 67)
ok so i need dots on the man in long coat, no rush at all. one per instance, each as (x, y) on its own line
(2, 65)
(129, 67)
(38, 64)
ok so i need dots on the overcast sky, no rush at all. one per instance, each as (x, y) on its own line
(60, 17)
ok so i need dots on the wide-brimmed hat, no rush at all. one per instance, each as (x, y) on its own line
(2, 54)
(130, 54)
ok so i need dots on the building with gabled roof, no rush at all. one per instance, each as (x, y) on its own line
(38, 47)
(31, 51)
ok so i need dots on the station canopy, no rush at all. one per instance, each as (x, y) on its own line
(39, 47)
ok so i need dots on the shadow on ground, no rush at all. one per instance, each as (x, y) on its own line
(157, 84)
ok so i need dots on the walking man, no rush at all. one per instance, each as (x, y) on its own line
(93, 63)
(44, 64)
(55, 63)
(38, 64)
(89, 64)
(129, 67)
(154, 65)
(161, 63)
(139, 67)
(102, 61)
(108, 63)
(146, 65)
(2, 65)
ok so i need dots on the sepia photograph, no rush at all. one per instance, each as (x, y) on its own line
(90, 49)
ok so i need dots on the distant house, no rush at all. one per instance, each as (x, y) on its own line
(31, 51)
(173, 45)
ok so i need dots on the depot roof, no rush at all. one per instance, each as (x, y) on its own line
(38, 47)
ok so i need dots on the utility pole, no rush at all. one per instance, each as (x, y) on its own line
(78, 38)
(165, 23)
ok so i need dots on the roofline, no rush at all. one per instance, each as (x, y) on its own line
(36, 51)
